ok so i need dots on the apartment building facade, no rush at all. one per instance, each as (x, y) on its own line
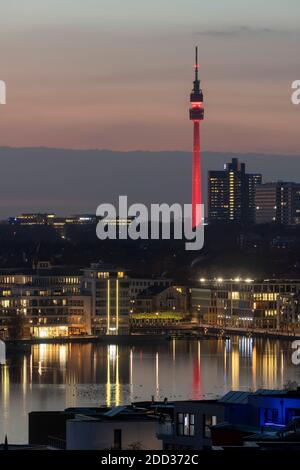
(247, 303)
(277, 202)
(108, 288)
(231, 194)
(42, 303)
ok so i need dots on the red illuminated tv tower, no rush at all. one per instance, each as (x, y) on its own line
(196, 115)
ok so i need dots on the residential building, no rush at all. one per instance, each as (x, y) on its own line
(117, 428)
(252, 414)
(139, 285)
(278, 203)
(231, 194)
(235, 419)
(44, 302)
(158, 299)
(190, 425)
(244, 302)
(113, 430)
(55, 301)
(232, 420)
(108, 288)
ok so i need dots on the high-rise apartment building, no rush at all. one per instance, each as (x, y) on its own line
(231, 194)
(277, 202)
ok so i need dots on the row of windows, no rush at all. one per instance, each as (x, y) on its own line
(40, 303)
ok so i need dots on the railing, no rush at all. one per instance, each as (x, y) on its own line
(56, 443)
(214, 328)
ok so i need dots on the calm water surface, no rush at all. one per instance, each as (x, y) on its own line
(53, 377)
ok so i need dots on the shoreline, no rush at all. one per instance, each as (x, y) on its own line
(198, 333)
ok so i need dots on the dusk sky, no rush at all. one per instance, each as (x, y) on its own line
(115, 74)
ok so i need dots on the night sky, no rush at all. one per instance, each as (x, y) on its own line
(115, 74)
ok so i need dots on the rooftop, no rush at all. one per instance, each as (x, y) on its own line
(103, 266)
(117, 413)
(49, 271)
(150, 291)
(239, 397)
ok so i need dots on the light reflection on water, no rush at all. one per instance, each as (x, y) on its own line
(53, 376)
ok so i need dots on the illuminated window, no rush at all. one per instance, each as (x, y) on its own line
(185, 424)
(235, 295)
(103, 275)
(208, 421)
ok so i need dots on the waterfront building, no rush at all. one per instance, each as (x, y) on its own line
(108, 288)
(45, 302)
(152, 322)
(158, 307)
(245, 302)
(158, 299)
(288, 311)
(139, 285)
(50, 301)
(56, 301)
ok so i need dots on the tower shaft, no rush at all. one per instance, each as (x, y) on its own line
(196, 177)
